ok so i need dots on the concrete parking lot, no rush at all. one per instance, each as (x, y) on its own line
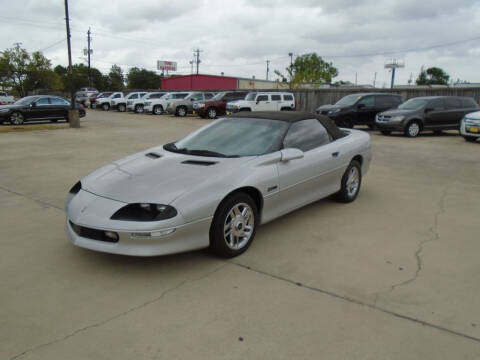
(393, 275)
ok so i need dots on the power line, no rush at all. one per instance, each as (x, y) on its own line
(54, 44)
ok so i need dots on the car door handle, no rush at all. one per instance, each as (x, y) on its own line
(335, 154)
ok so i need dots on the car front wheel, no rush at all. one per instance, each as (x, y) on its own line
(351, 182)
(234, 225)
(158, 110)
(139, 109)
(122, 108)
(17, 118)
(412, 129)
(181, 111)
(212, 113)
(105, 107)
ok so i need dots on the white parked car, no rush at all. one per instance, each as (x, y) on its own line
(6, 99)
(121, 103)
(158, 106)
(104, 102)
(138, 104)
(470, 126)
(264, 101)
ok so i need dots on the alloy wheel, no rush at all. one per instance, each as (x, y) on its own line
(413, 129)
(353, 181)
(239, 226)
(16, 118)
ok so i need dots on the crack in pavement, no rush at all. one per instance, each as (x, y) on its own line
(44, 203)
(358, 302)
(434, 237)
(114, 317)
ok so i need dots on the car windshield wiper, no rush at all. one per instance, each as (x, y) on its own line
(199, 152)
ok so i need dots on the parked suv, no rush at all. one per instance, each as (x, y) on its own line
(359, 109)
(158, 106)
(217, 105)
(263, 101)
(182, 107)
(137, 104)
(418, 114)
(106, 99)
(121, 102)
(470, 126)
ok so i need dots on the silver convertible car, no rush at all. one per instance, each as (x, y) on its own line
(214, 187)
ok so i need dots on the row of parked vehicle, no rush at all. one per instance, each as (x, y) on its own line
(382, 111)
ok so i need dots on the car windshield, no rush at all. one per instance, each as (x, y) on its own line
(348, 100)
(413, 104)
(219, 96)
(233, 137)
(26, 100)
(102, 95)
(250, 96)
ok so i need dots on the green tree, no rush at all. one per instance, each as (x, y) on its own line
(116, 80)
(433, 76)
(80, 77)
(22, 72)
(308, 69)
(143, 79)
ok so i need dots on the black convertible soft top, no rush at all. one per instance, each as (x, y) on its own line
(291, 117)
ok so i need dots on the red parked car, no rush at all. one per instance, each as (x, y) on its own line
(217, 105)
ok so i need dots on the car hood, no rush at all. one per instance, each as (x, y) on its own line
(397, 112)
(11, 106)
(156, 176)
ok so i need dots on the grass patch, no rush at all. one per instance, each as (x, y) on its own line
(32, 127)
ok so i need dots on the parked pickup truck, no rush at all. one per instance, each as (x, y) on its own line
(263, 101)
(6, 99)
(138, 104)
(105, 102)
(121, 103)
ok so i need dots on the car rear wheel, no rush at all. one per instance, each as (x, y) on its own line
(351, 182)
(470, 138)
(181, 111)
(212, 113)
(412, 129)
(139, 109)
(106, 107)
(122, 108)
(234, 225)
(158, 110)
(17, 118)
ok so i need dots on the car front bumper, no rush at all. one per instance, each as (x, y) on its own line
(88, 218)
(389, 125)
(467, 129)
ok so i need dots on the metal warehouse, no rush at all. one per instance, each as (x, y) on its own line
(216, 82)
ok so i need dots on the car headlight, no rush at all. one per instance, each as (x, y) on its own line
(145, 212)
(334, 111)
(398, 118)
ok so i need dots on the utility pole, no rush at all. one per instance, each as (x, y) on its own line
(268, 69)
(374, 79)
(196, 54)
(72, 114)
(89, 51)
(191, 66)
(291, 58)
(355, 79)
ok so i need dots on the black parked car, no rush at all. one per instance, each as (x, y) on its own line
(435, 113)
(359, 109)
(37, 107)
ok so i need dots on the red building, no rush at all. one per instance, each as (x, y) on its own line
(200, 82)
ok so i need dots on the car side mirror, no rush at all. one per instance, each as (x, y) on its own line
(291, 154)
(360, 106)
(257, 101)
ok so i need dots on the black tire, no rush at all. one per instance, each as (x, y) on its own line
(385, 132)
(54, 120)
(17, 118)
(105, 107)
(181, 111)
(139, 109)
(345, 195)
(157, 110)
(470, 138)
(412, 129)
(218, 243)
(211, 113)
(122, 108)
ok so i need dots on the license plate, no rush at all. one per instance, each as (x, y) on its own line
(474, 129)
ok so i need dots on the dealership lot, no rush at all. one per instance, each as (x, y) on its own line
(393, 275)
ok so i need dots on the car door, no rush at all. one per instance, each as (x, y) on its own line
(453, 112)
(435, 113)
(262, 103)
(276, 103)
(59, 107)
(366, 111)
(314, 176)
(41, 109)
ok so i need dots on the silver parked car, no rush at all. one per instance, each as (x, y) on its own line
(182, 107)
(217, 185)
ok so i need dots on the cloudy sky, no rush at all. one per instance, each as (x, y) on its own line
(238, 36)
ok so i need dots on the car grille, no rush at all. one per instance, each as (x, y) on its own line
(90, 233)
(383, 118)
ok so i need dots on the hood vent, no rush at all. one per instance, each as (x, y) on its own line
(199, 162)
(153, 155)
